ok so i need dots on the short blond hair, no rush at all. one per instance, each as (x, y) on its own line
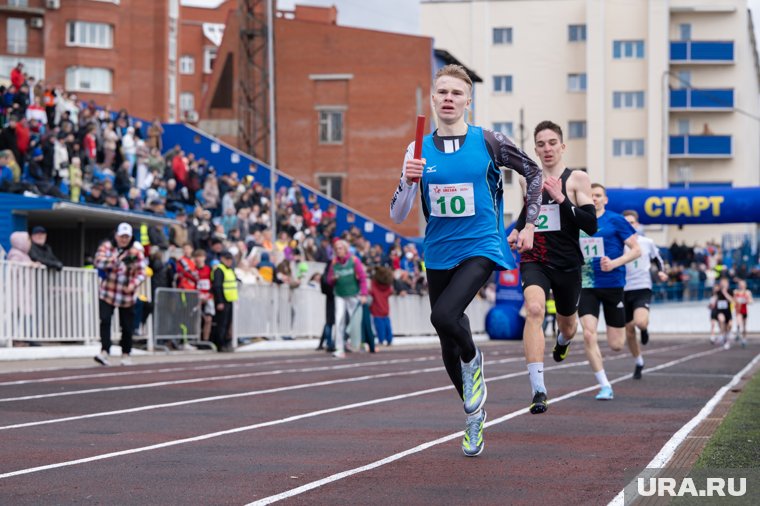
(454, 70)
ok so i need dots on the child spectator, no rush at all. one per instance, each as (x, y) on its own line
(380, 291)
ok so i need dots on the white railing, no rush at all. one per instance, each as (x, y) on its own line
(43, 305)
(301, 313)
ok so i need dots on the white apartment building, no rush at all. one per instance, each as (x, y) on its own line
(649, 93)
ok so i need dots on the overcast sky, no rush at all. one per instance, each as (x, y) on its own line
(387, 15)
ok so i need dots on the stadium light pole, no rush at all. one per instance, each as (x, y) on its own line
(271, 5)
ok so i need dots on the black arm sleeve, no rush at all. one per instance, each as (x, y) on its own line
(506, 154)
(658, 263)
(520, 224)
(584, 216)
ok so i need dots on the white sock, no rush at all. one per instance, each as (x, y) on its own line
(561, 340)
(640, 360)
(536, 373)
(601, 378)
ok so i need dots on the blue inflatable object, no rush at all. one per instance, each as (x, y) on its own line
(503, 321)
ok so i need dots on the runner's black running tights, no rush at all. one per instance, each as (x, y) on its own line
(451, 291)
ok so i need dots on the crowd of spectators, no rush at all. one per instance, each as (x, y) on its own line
(53, 144)
(694, 270)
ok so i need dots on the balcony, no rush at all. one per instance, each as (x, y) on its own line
(702, 51)
(701, 146)
(692, 99)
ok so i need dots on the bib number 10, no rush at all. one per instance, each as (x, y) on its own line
(452, 200)
(456, 205)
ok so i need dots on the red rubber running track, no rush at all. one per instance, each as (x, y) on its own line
(304, 428)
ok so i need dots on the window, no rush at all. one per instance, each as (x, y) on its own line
(683, 127)
(576, 33)
(186, 102)
(508, 219)
(628, 99)
(16, 35)
(502, 35)
(18, 3)
(576, 82)
(93, 80)
(331, 185)
(209, 55)
(627, 148)
(684, 30)
(576, 130)
(82, 33)
(330, 127)
(683, 79)
(504, 127)
(507, 177)
(627, 49)
(502, 84)
(186, 65)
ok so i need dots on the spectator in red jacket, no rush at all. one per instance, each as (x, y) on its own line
(187, 272)
(18, 77)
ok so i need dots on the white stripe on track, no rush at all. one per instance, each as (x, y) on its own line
(275, 372)
(280, 389)
(133, 372)
(310, 415)
(235, 396)
(666, 453)
(378, 463)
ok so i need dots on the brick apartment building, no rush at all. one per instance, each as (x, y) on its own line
(114, 52)
(346, 98)
(346, 101)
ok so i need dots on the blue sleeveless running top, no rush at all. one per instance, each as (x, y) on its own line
(462, 202)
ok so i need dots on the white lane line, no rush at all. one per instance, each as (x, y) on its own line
(168, 370)
(260, 392)
(234, 396)
(247, 375)
(180, 369)
(669, 449)
(289, 419)
(275, 372)
(378, 463)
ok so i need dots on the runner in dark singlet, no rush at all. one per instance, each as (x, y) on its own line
(555, 261)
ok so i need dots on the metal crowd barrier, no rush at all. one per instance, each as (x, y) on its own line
(176, 316)
(42, 305)
(301, 313)
(410, 315)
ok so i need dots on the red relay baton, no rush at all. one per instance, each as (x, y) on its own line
(418, 140)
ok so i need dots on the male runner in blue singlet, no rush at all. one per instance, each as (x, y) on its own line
(461, 197)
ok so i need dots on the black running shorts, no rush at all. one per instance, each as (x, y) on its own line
(611, 300)
(634, 299)
(565, 285)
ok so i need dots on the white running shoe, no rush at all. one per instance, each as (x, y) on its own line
(126, 360)
(101, 358)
